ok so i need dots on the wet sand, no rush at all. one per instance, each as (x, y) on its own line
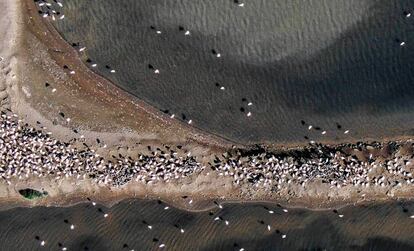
(98, 109)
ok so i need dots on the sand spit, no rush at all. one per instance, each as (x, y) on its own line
(85, 112)
(318, 176)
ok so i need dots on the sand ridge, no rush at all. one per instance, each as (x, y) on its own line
(10, 30)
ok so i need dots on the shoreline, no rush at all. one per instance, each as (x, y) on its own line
(89, 100)
(110, 197)
(196, 134)
(64, 54)
(198, 206)
(73, 57)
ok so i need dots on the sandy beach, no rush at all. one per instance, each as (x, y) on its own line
(32, 54)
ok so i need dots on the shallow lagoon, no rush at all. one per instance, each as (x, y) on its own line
(324, 62)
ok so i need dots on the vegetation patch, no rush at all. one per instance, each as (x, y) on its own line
(32, 194)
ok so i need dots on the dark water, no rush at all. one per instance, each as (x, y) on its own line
(323, 61)
(369, 227)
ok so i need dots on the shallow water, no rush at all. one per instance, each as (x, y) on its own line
(368, 227)
(323, 61)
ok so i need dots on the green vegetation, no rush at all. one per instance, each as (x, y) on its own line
(31, 193)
